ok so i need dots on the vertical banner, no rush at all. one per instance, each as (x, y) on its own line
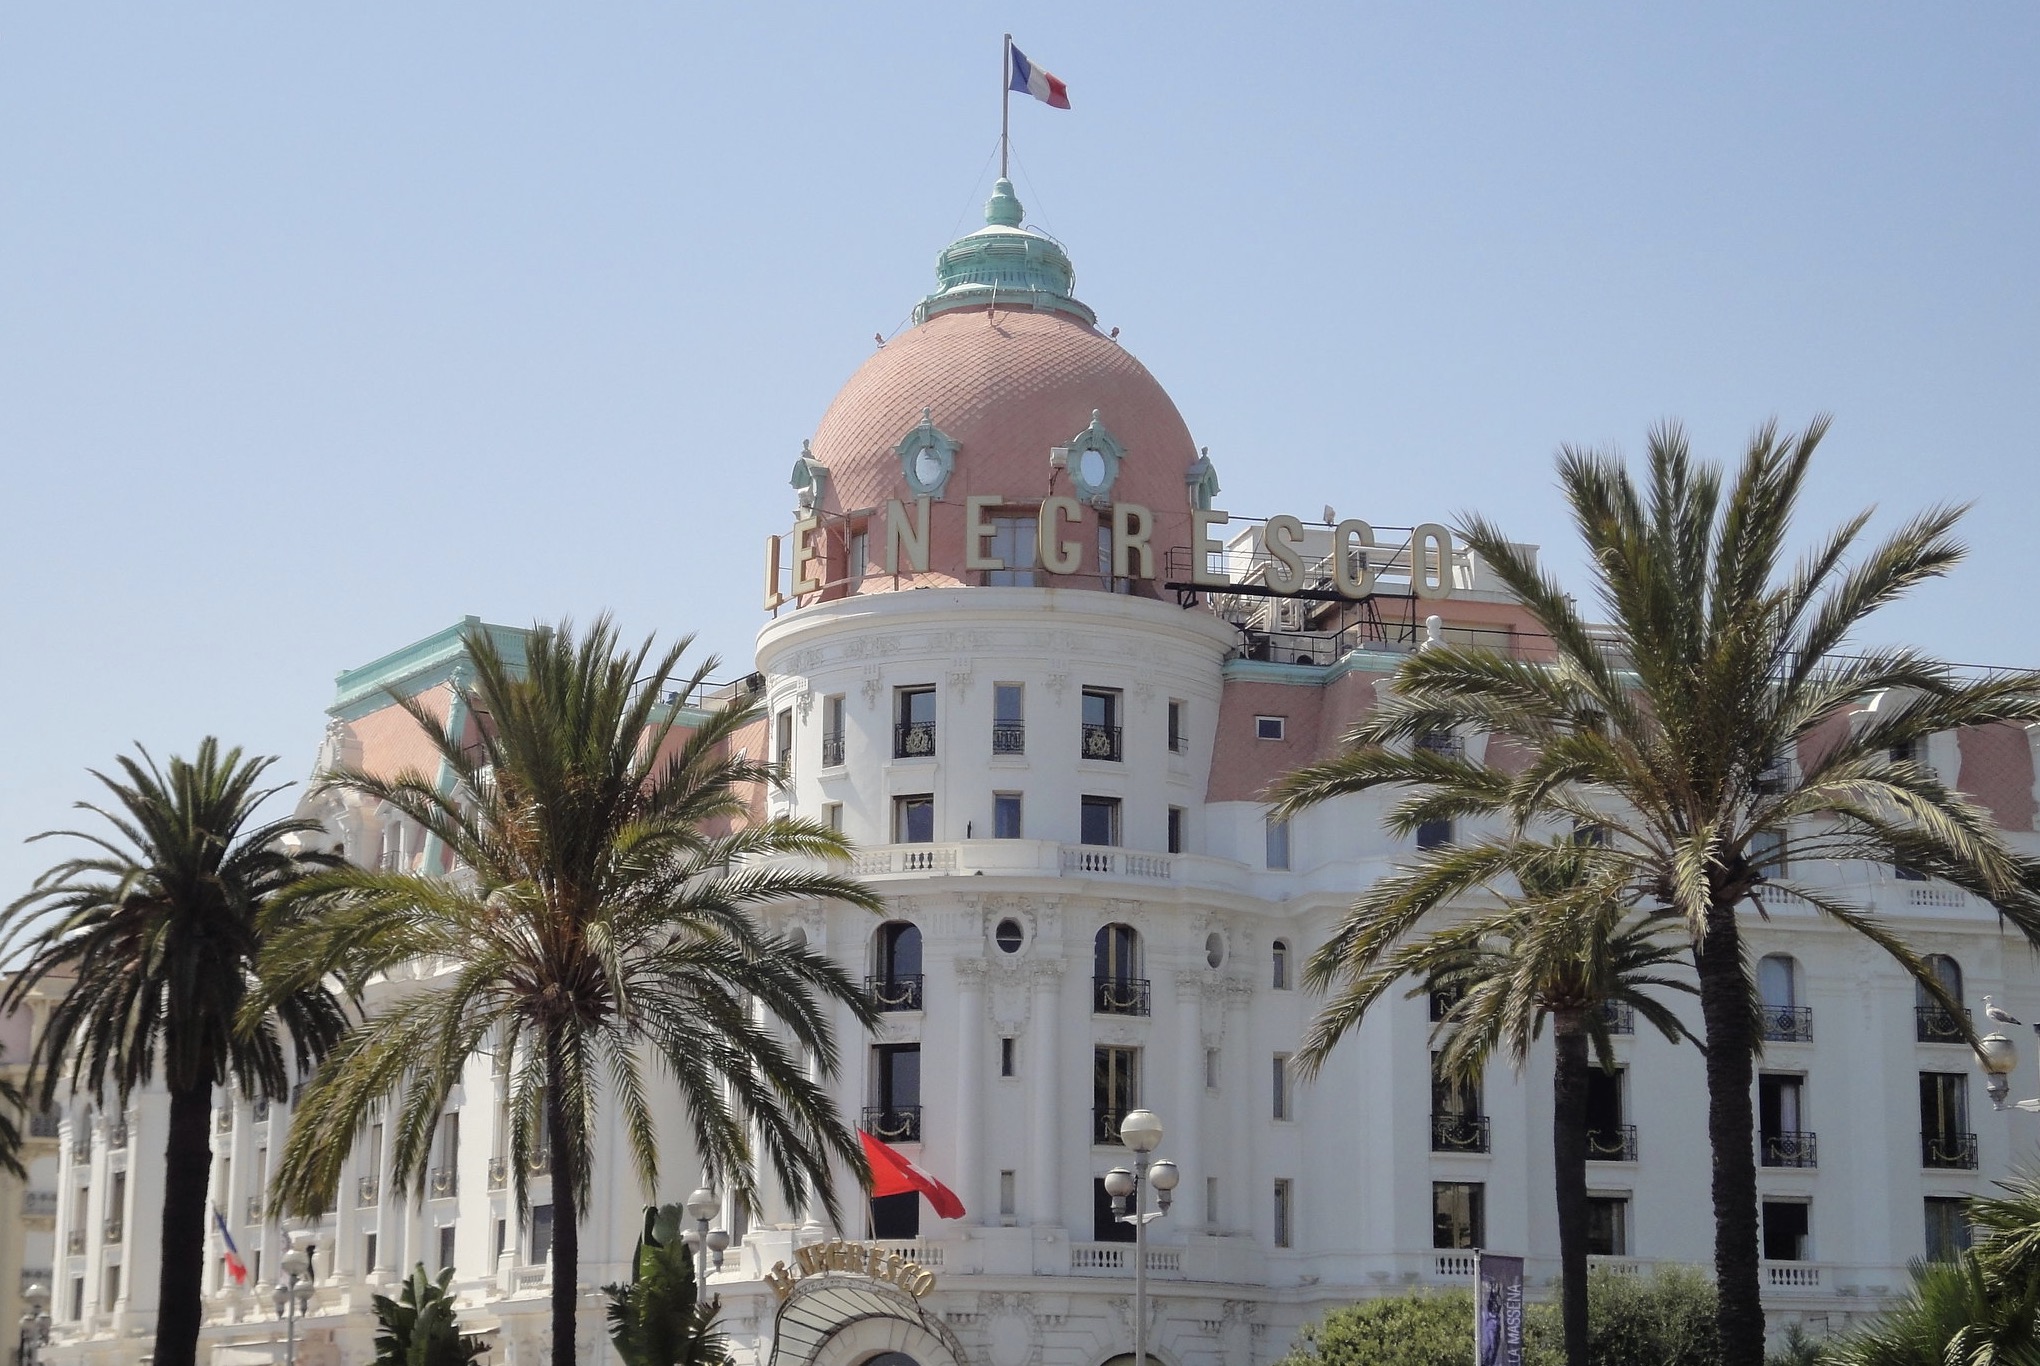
(1497, 1310)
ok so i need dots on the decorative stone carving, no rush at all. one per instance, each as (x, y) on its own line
(874, 684)
(961, 671)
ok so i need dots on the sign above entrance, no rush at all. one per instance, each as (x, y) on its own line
(856, 1259)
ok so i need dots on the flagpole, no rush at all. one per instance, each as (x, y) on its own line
(1005, 100)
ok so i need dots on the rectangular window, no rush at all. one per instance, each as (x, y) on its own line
(1607, 1225)
(1781, 1137)
(368, 1250)
(1101, 724)
(1013, 541)
(77, 1298)
(859, 556)
(1008, 1061)
(1945, 1139)
(914, 818)
(782, 740)
(1105, 1225)
(1947, 1228)
(1285, 1212)
(1009, 718)
(255, 1266)
(1281, 1107)
(445, 1246)
(449, 1139)
(112, 1286)
(1767, 852)
(1179, 739)
(1279, 965)
(1100, 821)
(1009, 1203)
(1434, 834)
(1211, 1069)
(896, 1216)
(832, 816)
(896, 1076)
(1269, 727)
(1788, 1228)
(502, 1238)
(1211, 1202)
(832, 730)
(1115, 1089)
(1006, 815)
(1278, 843)
(541, 1234)
(1609, 1138)
(914, 723)
(1175, 829)
(1458, 1214)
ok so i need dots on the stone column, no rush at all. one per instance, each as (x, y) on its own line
(1183, 1123)
(1044, 1201)
(970, 1067)
(1238, 1200)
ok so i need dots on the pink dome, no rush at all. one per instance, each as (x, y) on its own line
(1006, 385)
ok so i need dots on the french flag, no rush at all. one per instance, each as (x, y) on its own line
(1029, 79)
(235, 1266)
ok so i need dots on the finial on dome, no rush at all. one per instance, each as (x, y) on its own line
(1004, 209)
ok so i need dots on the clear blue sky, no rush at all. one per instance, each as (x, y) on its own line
(322, 326)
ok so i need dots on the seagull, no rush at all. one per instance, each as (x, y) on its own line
(2001, 1016)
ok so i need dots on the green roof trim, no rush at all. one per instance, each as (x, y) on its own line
(418, 666)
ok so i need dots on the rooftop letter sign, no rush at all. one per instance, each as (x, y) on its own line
(857, 1259)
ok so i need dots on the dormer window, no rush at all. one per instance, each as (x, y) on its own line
(1093, 457)
(927, 457)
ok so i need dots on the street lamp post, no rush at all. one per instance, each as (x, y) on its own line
(1999, 1058)
(702, 1206)
(35, 1325)
(1141, 1131)
(294, 1296)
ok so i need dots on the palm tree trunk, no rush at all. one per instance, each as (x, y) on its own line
(566, 1248)
(187, 1170)
(1731, 1131)
(1569, 1163)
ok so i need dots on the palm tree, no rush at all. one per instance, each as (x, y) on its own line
(13, 1110)
(161, 926)
(1565, 949)
(1712, 715)
(597, 918)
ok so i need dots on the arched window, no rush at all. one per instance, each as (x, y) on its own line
(1785, 1020)
(895, 981)
(1116, 975)
(1935, 1025)
(1281, 964)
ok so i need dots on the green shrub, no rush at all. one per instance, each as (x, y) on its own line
(1665, 1319)
(419, 1327)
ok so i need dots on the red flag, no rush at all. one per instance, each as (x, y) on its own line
(892, 1174)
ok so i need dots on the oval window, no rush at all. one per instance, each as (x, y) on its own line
(1009, 936)
(1091, 468)
(1214, 948)
(928, 467)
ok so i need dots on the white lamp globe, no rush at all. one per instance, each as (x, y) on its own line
(1164, 1176)
(702, 1204)
(1141, 1130)
(1119, 1183)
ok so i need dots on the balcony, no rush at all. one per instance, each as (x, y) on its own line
(1009, 737)
(112, 1229)
(223, 1118)
(44, 1124)
(1932, 1024)
(254, 1209)
(1100, 742)
(893, 1123)
(1611, 1143)
(499, 1173)
(75, 1244)
(1619, 1016)
(832, 751)
(1948, 1151)
(1788, 1148)
(1113, 862)
(116, 1137)
(538, 1162)
(81, 1146)
(1105, 1126)
(1459, 1133)
(894, 993)
(1442, 743)
(1787, 1024)
(914, 740)
(444, 1183)
(367, 1191)
(39, 1204)
(1119, 996)
(258, 1109)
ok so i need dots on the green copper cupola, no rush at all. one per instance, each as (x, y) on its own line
(1004, 264)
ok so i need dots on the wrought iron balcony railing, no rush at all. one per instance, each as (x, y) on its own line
(1459, 1133)
(1101, 742)
(1948, 1151)
(113, 1229)
(223, 1118)
(367, 1191)
(259, 1108)
(914, 740)
(1009, 737)
(1442, 1001)
(894, 993)
(1611, 1143)
(39, 1204)
(538, 1162)
(75, 1244)
(832, 751)
(1120, 996)
(1932, 1024)
(1788, 1024)
(116, 1136)
(254, 1209)
(1788, 1148)
(444, 1183)
(44, 1124)
(893, 1123)
(1619, 1016)
(1105, 1125)
(499, 1173)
